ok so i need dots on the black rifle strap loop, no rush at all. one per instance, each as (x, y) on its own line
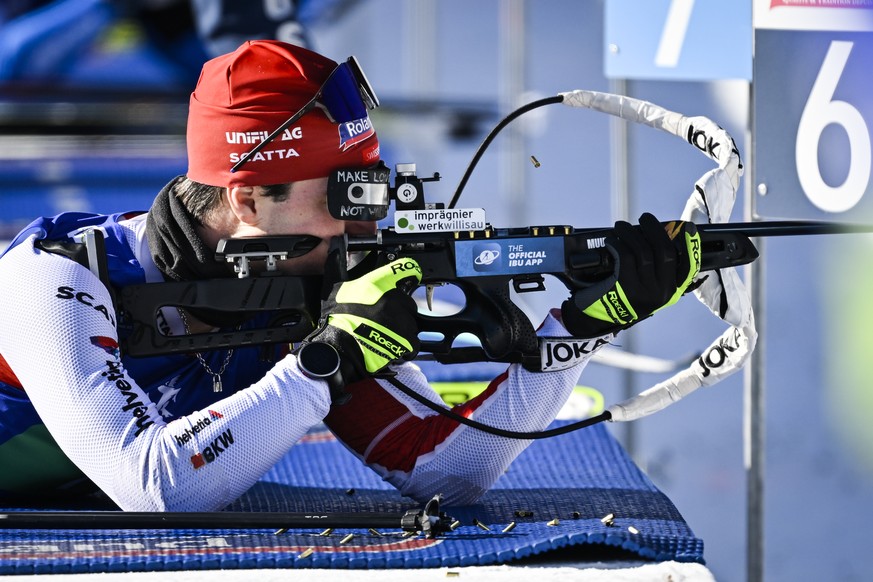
(91, 254)
(95, 248)
(605, 415)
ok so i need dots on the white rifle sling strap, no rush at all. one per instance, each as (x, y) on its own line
(711, 201)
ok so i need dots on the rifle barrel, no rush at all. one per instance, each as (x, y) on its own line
(786, 228)
(750, 229)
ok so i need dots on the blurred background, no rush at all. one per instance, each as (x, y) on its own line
(93, 103)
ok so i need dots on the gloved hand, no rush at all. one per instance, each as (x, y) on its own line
(654, 266)
(370, 321)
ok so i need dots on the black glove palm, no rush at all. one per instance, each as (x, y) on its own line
(654, 266)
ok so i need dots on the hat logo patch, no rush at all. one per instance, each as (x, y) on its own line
(354, 132)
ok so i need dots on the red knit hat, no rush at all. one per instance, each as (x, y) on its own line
(243, 96)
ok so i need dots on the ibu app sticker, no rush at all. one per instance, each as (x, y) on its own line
(487, 257)
(512, 256)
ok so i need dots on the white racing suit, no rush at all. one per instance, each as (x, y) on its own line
(153, 435)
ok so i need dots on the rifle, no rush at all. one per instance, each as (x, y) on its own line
(452, 246)
(483, 261)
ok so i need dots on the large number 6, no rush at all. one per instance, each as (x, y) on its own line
(819, 112)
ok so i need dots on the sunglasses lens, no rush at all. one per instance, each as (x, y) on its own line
(346, 94)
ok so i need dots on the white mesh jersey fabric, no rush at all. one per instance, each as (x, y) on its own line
(52, 308)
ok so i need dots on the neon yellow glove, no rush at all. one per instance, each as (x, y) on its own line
(370, 321)
(654, 266)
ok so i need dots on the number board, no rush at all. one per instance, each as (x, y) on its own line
(678, 39)
(813, 113)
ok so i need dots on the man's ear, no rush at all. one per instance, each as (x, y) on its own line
(242, 202)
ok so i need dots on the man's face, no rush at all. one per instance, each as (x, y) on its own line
(304, 211)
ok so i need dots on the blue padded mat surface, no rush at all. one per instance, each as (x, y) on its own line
(575, 479)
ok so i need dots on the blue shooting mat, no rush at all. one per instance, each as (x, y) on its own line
(556, 494)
